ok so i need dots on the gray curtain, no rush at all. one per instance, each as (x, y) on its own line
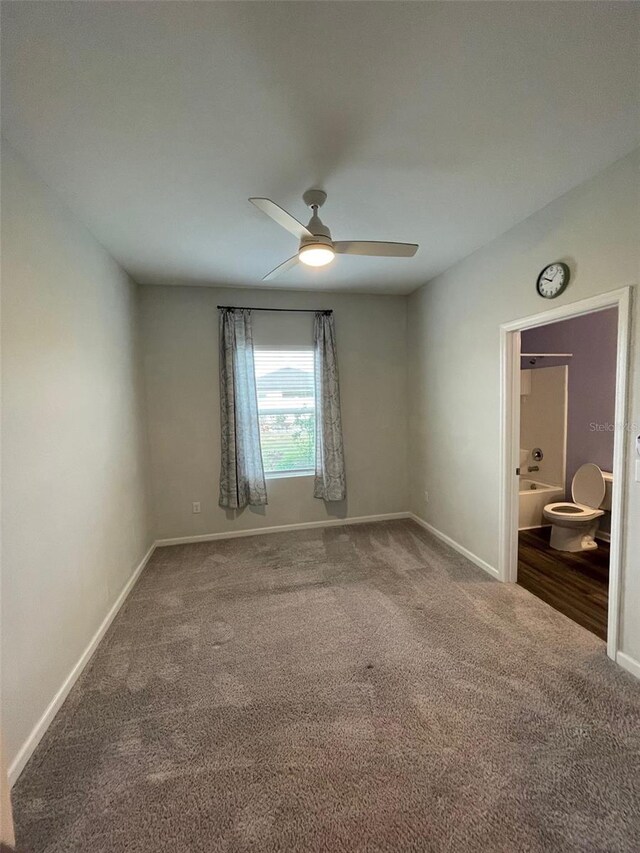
(330, 483)
(241, 472)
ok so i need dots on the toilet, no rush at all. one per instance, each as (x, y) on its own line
(574, 525)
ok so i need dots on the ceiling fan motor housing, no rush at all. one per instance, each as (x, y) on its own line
(317, 239)
(320, 232)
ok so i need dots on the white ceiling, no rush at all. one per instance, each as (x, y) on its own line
(437, 123)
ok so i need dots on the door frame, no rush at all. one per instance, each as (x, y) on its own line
(510, 349)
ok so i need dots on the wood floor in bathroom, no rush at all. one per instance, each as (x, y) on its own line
(576, 584)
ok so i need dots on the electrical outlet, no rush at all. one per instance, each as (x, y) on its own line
(195, 506)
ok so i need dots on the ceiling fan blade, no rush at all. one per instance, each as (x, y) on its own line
(376, 249)
(286, 220)
(283, 267)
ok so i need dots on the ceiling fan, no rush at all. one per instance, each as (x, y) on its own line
(316, 247)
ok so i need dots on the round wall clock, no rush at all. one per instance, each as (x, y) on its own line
(553, 280)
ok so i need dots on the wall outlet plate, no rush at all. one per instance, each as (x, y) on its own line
(195, 506)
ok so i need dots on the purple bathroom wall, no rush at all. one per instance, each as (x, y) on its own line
(592, 339)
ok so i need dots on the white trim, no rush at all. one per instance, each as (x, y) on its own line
(620, 475)
(510, 431)
(509, 454)
(27, 748)
(455, 545)
(630, 664)
(608, 299)
(280, 528)
(285, 475)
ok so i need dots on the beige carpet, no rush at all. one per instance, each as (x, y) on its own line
(351, 689)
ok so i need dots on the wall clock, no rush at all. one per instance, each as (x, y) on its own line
(553, 280)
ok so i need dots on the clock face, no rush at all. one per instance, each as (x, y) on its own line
(553, 280)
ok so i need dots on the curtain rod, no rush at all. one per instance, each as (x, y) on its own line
(288, 310)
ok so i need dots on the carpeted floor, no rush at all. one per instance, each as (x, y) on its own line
(360, 688)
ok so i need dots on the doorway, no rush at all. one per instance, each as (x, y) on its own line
(556, 438)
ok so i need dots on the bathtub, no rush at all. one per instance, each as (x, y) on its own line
(532, 498)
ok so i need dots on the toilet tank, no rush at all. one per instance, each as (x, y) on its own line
(608, 493)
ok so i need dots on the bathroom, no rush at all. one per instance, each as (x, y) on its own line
(567, 408)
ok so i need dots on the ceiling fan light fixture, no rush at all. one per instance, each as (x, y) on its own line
(316, 254)
(316, 247)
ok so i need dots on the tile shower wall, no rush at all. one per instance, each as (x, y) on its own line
(543, 423)
(593, 341)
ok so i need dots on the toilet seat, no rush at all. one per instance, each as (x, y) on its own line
(563, 511)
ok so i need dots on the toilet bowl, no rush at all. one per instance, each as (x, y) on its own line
(574, 525)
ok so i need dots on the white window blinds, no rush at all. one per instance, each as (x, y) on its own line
(286, 409)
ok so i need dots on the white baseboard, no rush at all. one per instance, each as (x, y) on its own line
(630, 664)
(27, 748)
(281, 528)
(456, 546)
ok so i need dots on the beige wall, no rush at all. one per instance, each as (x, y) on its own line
(74, 515)
(454, 368)
(180, 341)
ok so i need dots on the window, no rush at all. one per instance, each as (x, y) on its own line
(286, 409)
